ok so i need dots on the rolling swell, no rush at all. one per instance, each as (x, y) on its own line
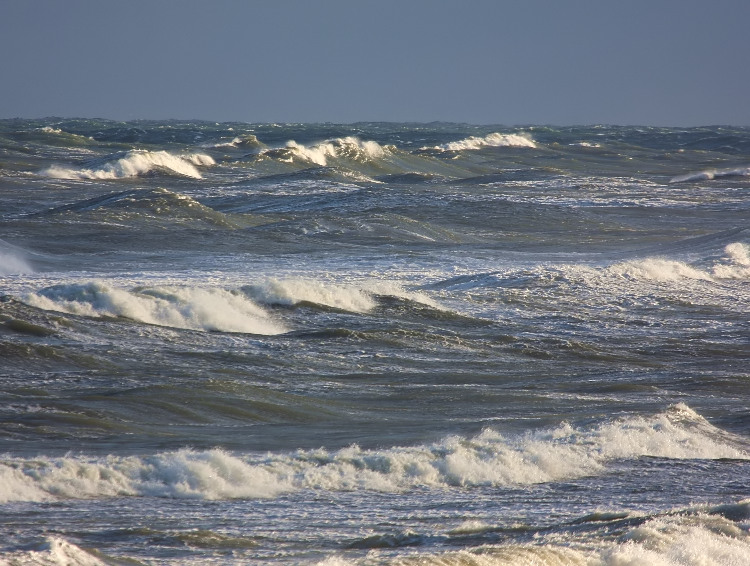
(145, 206)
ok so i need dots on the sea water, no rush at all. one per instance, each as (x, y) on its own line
(373, 344)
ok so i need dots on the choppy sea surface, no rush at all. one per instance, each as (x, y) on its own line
(373, 344)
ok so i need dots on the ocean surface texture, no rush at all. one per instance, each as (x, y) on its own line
(373, 344)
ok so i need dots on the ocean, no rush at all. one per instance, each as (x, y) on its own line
(373, 344)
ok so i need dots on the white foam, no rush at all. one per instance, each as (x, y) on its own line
(699, 540)
(135, 163)
(393, 289)
(737, 265)
(210, 474)
(488, 459)
(734, 265)
(658, 269)
(294, 291)
(586, 144)
(358, 298)
(710, 174)
(237, 142)
(490, 140)
(54, 551)
(678, 540)
(349, 147)
(180, 307)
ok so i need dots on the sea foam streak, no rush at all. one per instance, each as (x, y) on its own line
(488, 459)
(179, 307)
(135, 163)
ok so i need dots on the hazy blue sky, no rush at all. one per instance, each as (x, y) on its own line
(655, 62)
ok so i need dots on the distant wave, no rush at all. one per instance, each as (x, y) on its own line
(245, 142)
(134, 163)
(59, 132)
(349, 147)
(488, 459)
(490, 140)
(178, 307)
(710, 174)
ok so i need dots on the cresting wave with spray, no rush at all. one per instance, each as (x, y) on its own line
(489, 459)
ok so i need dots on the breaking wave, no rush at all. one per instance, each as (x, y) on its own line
(353, 298)
(703, 538)
(295, 291)
(178, 307)
(490, 140)
(350, 147)
(133, 164)
(734, 265)
(488, 459)
(710, 174)
(245, 142)
(53, 551)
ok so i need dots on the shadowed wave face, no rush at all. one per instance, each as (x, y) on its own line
(373, 344)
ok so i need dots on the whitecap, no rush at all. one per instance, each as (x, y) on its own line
(736, 264)
(53, 551)
(293, 291)
(710, 174)
(196, 308)
(491, 140)
(349, 147)
(135, 163)
(488, 459)
(359, 298)
(658, 269)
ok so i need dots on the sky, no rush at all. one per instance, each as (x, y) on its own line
(511, 62)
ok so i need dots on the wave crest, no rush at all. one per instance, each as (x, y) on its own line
(490, 140)
(711, 174)
(735, 264)
(178, 307)
(133, 164)
(349, 147)
(488, 459)
(295, 291)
